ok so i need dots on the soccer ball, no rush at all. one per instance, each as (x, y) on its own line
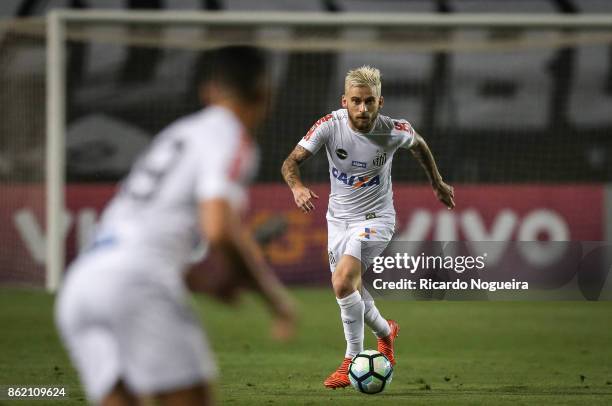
(370, 372)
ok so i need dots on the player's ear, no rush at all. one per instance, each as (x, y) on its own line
(381, 101)
(204, 94)
(343, 101)
(208, 93)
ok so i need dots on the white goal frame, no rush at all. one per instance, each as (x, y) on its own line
(56, 71)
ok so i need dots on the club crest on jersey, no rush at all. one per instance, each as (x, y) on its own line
(380, 159)
(342, 154)
(355, 181)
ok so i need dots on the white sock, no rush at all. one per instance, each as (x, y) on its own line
(374, 320)
(351, 313)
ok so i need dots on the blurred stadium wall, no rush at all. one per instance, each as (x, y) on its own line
(519, 121)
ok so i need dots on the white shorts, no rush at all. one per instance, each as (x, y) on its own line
(129, 320)
(363, 240)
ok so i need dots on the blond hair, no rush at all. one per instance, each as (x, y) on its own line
(363, 76)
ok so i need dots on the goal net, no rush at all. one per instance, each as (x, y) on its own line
(22, 153)
(503, 100)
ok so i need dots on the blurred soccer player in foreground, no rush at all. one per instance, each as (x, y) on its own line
(123, 311)
(360, 144)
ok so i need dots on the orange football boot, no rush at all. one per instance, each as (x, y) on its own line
(385, 344)
(339, 378)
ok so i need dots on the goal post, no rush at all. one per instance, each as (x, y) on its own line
(58, 33)
(320, 19)
(55, 151)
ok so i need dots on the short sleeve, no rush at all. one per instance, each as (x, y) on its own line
(318, 134)
(406, 132)
(225, 172)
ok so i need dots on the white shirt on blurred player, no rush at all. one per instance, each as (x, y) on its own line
(359, 163)
(204, 156)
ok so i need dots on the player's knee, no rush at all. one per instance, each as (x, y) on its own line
(343, 289)
(343, 284)
(120, 396)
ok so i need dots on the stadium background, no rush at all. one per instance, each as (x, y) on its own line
(519, 122)
(522, 131)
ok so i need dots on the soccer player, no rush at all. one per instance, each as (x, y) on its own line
(123, 312)
(360, 144)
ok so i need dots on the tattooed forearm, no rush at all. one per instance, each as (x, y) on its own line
(291, 172)
(423, 154)
(291, 166)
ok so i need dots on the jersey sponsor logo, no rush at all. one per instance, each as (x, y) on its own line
(355, 181)
(342, 154)
(359, 164)
(316, 125)
(102, 241)
(399, 126)
(380, 159)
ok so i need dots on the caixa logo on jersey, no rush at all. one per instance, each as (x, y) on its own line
(355, 181)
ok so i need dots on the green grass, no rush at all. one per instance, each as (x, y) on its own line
(468, 353)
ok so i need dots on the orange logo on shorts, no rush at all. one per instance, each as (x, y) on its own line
(367, 232)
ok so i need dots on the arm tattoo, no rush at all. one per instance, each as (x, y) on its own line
(291, 166)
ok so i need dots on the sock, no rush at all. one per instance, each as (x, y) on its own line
(351, 313)
(374, 320)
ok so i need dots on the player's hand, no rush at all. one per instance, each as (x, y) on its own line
(446, 194)
(284, 322)
(303, 198)
(219, 284)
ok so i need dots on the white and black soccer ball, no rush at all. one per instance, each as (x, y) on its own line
(370, 372)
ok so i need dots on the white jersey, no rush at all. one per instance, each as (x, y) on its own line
(203, 156)
(359, 163)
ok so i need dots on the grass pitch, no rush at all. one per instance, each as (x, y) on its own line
(468, 353)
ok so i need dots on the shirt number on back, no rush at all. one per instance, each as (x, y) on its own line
(146, 176)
